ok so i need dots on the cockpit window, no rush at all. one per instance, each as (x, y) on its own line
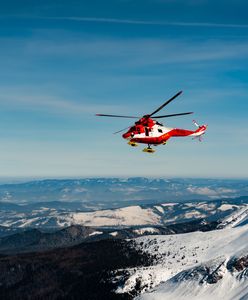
(160, 130)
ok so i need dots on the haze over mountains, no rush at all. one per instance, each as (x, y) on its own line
(104, 193)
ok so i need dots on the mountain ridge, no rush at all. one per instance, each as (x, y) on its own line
(153, 214)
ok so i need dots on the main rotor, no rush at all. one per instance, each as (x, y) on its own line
(148, 116)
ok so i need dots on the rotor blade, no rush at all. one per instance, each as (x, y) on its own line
(116, 116)
(173, 115)
(166, 103)
(121, 130)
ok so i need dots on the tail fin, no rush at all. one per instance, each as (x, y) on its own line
(199, 131)
(196, 124)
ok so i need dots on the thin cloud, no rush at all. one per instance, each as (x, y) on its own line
(26, 101)
(141, 52)
(134, 22)
(142, 22)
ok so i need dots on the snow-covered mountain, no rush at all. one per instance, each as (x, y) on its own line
(197, 265)
(146, 238)
(45, 216)
(191, 250)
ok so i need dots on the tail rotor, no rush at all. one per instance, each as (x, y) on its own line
(199, 138)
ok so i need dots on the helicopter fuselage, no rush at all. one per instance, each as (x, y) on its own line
(153, 133)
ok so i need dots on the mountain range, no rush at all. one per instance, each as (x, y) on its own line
(54, 215)
(198, 259)
(106, 193)
(52, 248)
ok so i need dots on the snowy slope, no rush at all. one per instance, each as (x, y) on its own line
(129, 216)
(193, 256)
(236, 218)
(228, 288)
(231, 211)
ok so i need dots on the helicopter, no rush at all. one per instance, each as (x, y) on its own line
(147, 130)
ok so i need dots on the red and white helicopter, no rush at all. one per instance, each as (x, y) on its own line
(149, 131)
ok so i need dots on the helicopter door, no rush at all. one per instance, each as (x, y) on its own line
(147, 131)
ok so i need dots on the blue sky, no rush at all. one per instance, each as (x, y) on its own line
(63, 61)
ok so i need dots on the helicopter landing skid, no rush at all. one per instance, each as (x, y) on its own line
(133, 144)
(148, 150)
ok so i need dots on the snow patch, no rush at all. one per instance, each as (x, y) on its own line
(95, 233)
(226, 207)
(115, 233)
(146, 230)
(159, 208)
(169, 204)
